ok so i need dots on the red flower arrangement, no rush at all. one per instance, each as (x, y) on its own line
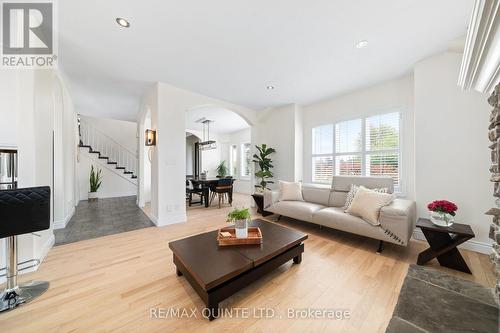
(443, 206)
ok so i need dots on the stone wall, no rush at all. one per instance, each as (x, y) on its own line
(494, 136)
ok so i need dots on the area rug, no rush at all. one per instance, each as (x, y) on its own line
(432, 301)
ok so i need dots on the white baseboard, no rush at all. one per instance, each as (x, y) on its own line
(472, 245)
(171, 219)
(47, 245)
(61, 224)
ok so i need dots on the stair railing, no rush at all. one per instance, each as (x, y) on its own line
(114, 151)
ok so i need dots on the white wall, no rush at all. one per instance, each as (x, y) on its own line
(8, 114)
(279, 128)
(395, 95)
(40, 113)
(190, 149)
(241, 185)
(123, 132)
(452, 155)
(168, 105)
(146, 165)
(114, 184)
(444, 141)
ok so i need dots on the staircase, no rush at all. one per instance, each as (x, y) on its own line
(116, 156)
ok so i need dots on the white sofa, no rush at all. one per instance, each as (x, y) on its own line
(323, 205)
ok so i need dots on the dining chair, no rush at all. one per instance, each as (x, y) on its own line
(223, 188)
(191, 189)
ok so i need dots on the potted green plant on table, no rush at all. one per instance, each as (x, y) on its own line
(240, 218)
(221, 169)
(95, 183)
(265, 165)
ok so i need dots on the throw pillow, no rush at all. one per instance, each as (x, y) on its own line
(291, 191)
(367, 204)
(354, 189)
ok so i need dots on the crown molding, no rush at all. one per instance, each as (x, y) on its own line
(480, 68)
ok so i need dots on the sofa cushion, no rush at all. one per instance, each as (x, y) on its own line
(354, 189)
(343, 183)
(367, 204)
(299, 210)
(316, 193)
(337, 199)
(291, 191)
(336, 218)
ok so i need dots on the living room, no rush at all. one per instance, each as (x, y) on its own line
(360, 180)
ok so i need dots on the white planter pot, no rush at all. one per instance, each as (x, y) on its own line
(92, 196)
(241, 227)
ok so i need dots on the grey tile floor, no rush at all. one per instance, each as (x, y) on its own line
(101, 218)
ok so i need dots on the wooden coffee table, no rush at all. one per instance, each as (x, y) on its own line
(216, 272)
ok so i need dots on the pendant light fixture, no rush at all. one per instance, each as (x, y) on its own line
(207, 144)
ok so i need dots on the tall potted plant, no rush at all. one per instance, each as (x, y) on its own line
(265, 165)
(95, 183)
(221, 169)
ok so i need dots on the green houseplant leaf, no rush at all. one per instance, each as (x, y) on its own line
(238, 214)
(265, 166)
(222, 169)
(95, 179)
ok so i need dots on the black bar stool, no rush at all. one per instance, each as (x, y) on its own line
(22, 211)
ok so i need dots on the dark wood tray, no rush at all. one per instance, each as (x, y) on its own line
(254, 237)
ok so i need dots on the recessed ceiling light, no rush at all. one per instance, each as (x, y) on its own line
(361, 44)
(270, 87)
(122, 22)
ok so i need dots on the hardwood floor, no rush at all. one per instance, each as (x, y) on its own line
(109, 284)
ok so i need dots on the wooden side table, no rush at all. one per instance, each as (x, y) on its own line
(443, 243)
(259, 201)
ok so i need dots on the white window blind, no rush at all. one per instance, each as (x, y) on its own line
(382, 146)
(233, 160)
(365, 146)
(246, 159)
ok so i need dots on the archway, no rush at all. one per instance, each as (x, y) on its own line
(232, 134)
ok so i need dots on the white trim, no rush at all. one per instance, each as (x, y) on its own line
(113, 195)
(61, 224)
(480, 69)
(8, 146)
(472, 245)
(49, 243)
(170, 219)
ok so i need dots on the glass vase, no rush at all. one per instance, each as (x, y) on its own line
(441, 219)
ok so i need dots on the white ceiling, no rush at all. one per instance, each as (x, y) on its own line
(232, 49)
(224, 121)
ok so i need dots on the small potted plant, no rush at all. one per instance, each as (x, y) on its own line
(442, 212)
(95, 183)
(221, 169)
(240, 219)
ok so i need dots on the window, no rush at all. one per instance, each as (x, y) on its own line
(368, 146)
(233, 160)
(246, 159)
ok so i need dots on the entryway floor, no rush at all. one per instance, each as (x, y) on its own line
(103, 217)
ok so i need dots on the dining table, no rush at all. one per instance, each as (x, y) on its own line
(206, 184)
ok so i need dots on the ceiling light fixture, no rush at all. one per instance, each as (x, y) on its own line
(270, 87)
(123, 22)
(362, 44)
(207, 144)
